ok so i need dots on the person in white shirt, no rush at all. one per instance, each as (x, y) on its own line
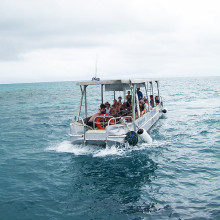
(146, 105)
(107, 109)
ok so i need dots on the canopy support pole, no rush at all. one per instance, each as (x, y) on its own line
(138, 107)
(82, 91)
(146, 89)
(152, 90)
(102, 92)
(85, 102)
(133, 89)
(158, 88)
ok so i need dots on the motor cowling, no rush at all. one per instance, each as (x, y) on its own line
(131, 138)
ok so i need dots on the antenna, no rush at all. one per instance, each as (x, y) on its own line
(96, 64)
(96, 69)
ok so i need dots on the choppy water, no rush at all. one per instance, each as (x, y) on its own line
(44, 176)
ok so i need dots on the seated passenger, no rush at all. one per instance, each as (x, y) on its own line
(107, 109)
(123, 106)
(146, 105)
(128, 99)
(119, 101)
(114, 107)
(117, 104)
(141, 106)
(157, 101)
(99, 112)
(114, 103)
(152, 101)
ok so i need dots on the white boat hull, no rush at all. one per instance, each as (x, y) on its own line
(113, 134)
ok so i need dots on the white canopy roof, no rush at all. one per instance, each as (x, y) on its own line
(119, 81)
(118, 85)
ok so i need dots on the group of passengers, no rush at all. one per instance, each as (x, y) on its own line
(124, 109)
(116, 108)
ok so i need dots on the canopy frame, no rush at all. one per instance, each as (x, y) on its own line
(119, 85)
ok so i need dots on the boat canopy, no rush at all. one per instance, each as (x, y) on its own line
(118, 85)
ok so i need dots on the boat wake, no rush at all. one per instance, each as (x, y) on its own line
(97, 151)
(67, 147)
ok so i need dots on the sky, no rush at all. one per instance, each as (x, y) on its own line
(51, 40)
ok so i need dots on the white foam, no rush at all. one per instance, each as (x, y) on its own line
(113, 150)
(67, 147)
(95, 151)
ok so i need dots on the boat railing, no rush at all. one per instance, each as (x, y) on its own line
(80, 119)
(120, 120)
(84, 127)
(110, 120)
(102, 122)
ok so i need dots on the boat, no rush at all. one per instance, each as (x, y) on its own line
(123, 128)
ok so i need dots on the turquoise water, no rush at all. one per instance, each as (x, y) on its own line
(44, 176)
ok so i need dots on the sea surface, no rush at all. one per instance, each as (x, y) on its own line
(44, 176)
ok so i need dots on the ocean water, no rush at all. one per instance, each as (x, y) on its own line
(44, 176)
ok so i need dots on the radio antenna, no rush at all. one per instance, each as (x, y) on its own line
(96, 65)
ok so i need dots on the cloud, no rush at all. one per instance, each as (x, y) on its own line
(55, 40)
(38, 24)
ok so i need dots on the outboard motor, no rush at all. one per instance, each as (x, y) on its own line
(144, 136)
(131, 138)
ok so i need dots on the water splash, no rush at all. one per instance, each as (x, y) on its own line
(67, 147)
(97, 151)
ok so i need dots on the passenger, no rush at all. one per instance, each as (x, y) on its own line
(119, 101)
(123, 110)
(113, 111)
(114, 107)
(119, 105)
(157, 101)
(152, 101)
(146, 105)
(139, 93)
(98, 113)
(141, 106)
(107, 109)
(123, 106)
(152, 104)
(128, 99)
(114, 103)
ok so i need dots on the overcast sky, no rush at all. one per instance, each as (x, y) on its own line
(51, 40)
